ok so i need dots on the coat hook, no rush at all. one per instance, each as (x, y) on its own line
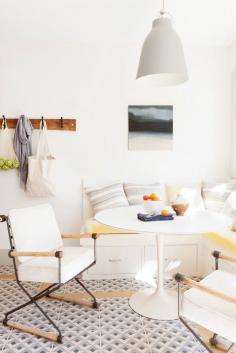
(62, 123)
(42, 121)
(4, 123)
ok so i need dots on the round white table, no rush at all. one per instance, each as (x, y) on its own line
(160, 303)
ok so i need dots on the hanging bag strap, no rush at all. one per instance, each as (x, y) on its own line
(43, 150)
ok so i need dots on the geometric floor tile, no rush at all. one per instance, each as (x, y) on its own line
(6, 269)
(113, 328)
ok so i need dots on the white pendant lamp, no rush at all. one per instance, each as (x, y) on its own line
(162, 53)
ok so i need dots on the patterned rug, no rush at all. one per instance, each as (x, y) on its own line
(113, 328)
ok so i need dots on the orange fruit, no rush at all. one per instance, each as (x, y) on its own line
(165, 213)
(154, 197)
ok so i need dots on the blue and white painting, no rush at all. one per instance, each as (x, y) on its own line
(150, 127)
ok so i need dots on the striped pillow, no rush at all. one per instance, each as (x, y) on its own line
(135, 192)
(215, 194)
(109, 196)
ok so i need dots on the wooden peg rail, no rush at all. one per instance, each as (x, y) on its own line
(52, 123)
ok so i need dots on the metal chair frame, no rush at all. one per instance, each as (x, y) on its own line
(182, 279)
(45, 292)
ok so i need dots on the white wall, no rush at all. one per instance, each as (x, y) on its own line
(231, 52)
(96, 83)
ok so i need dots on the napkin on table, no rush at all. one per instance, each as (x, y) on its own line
(156, 217)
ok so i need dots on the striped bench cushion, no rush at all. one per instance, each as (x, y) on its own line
(92, 226)
(108, 196)
(225, 240)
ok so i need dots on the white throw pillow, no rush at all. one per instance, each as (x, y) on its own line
(135, 192)
(215, 194)
(189, 191)
(229, 208)
(108, 196)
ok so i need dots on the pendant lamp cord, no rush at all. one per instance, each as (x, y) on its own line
(163, 11)
(163, 8)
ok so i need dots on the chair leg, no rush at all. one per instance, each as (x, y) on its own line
(95, 303)
(215, 343)
(33, 300)
(213, 340)
(195, 335)
(232, 345)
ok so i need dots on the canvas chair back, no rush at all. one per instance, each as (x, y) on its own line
(35, 229)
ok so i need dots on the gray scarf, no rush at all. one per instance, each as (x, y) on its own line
(22, 145)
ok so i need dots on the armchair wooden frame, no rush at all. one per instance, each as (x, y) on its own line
(47, 291)
(180, 278)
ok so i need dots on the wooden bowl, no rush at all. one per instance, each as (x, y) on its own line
(180, 209)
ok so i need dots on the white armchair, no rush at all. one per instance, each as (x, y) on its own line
(211, 304)
(39, 255)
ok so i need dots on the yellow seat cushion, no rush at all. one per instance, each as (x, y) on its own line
(92, 226)
(225, 240)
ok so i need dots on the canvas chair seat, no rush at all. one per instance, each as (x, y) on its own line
(45, 269)
(213, 313)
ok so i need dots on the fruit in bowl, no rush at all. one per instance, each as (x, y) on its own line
(152, 203)
(151, 197)
(165, 212)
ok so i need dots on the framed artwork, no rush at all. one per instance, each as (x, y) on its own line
(150, 127)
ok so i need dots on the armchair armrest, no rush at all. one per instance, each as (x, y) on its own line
(219, 255)
(191, 283)
(80, 236)
(58, 254)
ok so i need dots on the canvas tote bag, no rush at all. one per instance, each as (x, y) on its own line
(39, 181)
(8, 158)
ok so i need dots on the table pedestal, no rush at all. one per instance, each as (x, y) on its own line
(158, 303)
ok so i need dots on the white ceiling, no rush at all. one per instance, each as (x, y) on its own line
(210, 22)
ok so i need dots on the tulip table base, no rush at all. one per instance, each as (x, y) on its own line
(156, 303)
